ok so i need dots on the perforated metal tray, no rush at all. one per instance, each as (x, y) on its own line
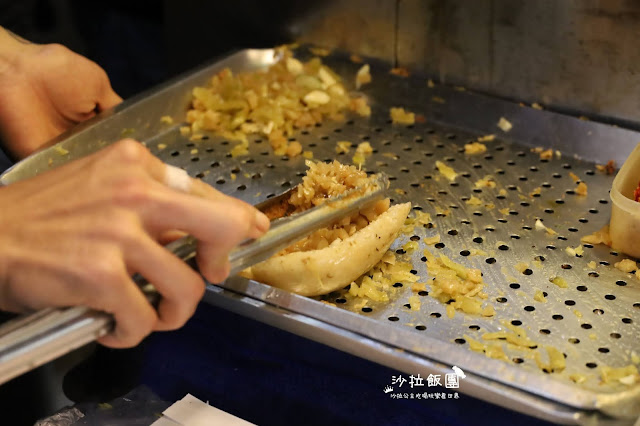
(594, 321)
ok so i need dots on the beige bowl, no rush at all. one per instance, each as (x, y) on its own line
(625, 211)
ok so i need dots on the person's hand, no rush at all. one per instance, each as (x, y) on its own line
(76, 234)
(45, 90)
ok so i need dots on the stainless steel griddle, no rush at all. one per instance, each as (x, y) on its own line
(594, 322)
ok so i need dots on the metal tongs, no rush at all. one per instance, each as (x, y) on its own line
(34, 339)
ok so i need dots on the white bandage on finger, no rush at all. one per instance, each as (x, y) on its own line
(176, 178)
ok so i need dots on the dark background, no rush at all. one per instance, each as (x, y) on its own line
(141, 43)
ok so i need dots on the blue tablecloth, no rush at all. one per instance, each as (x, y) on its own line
(272, 377)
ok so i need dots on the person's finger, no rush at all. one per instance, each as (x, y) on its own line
(83, 116)
(111, 154)
(180, 286)
(135, 317)
(185, 212)
(169, 236)
(218, 225)
(213, 261)
(131, 151)
(107, 98)
(171, 176)
(179, 180)
(208, 221)
(204, 190)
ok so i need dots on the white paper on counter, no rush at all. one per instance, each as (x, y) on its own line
(190, 411)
